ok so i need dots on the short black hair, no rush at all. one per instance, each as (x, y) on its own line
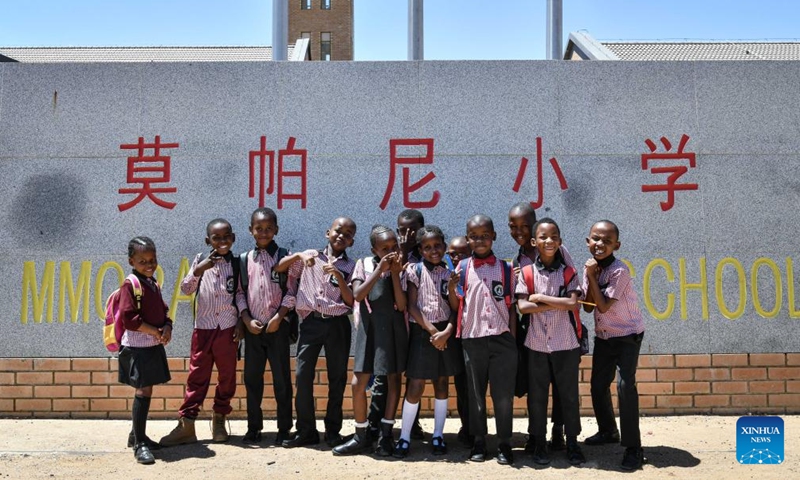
(616, 228)
(264, 212)
(479, 219)
(217, 221)
(546, 220)
(432, 229)
(377, 231)
(140, 243)
(526, 209)
(412, 214)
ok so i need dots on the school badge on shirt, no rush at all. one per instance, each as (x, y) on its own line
(759, 440)
(229, 284)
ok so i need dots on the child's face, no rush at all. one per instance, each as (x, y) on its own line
(480, 236)
(385, 244)
(144, 261)
(547, 241)
(407, 227)
(602, 240)
(432, 248)
(220, 238)
(263, 228)
(341, 235)
(519, 225)
(458, 249)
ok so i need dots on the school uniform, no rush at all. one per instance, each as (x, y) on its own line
(490, 352)
(216, 316)
(618, 339)
(553, 350)
(381, 336)
(264, 298)
(324, 322)
(142, 359)
(426, 361)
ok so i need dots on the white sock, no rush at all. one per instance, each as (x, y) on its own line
(439, 416)
(409, 414)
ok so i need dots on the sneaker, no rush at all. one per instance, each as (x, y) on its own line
(504, 454)
(438, 446)
(557, 441)
(219, 433)
(252, 436)
(478, 452)
(417, 433)
(143, 455)
(540, 455)
(181, 434)
(401, 449)
(574, 453)
(601, 438)
(633, 459)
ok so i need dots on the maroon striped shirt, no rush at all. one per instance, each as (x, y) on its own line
(214, 304)
(624, 317)
(483, 315)
(431, 288)
(312, 288)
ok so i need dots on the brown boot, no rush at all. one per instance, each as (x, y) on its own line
(182, 434)
(218, 431)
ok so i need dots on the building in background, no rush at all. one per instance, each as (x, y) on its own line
(327, 24)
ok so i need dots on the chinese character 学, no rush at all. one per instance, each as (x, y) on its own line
(396, 159)
(258, 158)
(147, 170)
(675, 171)
(523, 167)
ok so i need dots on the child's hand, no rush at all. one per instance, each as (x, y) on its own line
(591, 268)
(452, 283)
(386, 262)
(535, 298)
(254, 326)
(397, 263)
(238, 332)
(308, 260)
(166, 334)
(517, 270)
(439, 340)
(212, 259)
(333, 271)
(274, 324)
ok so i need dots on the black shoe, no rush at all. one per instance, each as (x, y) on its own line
(282, 436)
(143, 455)
(530, 445)
(417, 433)
(438, 446)
(401, 449)
(465, 438)
(574, 453)
(478, 452)
(356, 445)
(601, 438)
(385, 447)
(334, 439)
(504, 454)
(557, 441)
(301, 440)
(373, 434)
(633, 459)
(540, 455)
(252, 436)
(150, 443)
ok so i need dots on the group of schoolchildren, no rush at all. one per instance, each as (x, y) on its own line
(421, 307)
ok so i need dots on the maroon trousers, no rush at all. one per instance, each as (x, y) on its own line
(209, 348)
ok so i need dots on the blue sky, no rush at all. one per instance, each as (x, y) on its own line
(454, 29)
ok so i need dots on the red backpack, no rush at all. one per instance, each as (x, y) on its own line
(114, 328)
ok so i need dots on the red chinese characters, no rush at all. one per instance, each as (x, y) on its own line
(675, 171)
(147, 170)
(523, 166)
(259, 158)
(408, 187)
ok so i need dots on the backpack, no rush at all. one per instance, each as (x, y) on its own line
(283, 279)
(461, 290)
(114, 328)
(574, 315)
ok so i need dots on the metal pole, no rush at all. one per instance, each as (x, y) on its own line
(554, 26)
(416, 43)
(280, 30)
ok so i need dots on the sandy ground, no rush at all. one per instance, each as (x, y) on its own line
(675, 447)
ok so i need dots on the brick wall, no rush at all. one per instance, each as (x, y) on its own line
(668, 384)
(338, 21)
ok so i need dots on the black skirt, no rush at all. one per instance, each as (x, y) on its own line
(428, 363)
(142, 367)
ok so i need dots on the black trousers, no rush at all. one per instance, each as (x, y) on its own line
(491, 360)
(619, 354)
(564, 365)
(334, 334)
(257, 350)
